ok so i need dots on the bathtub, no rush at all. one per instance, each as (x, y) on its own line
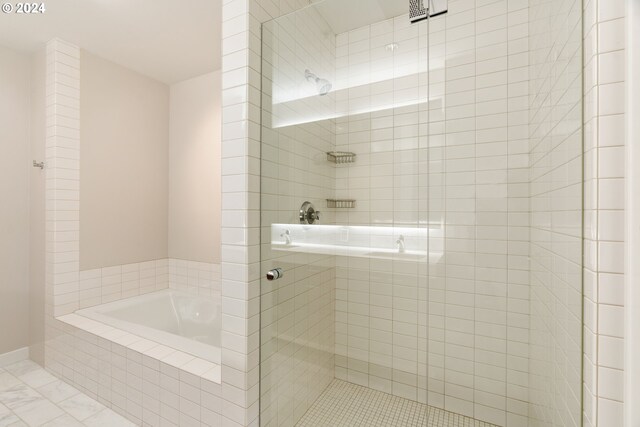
(179, 320)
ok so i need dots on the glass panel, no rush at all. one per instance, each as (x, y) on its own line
(446, 265)
(505, 180)
(345, 91)
(556, 204)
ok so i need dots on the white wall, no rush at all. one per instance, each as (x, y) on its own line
(37, 208)
(194, 169)
(124, 126)
(14, 212)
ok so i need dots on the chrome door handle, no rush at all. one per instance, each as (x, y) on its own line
(275, 274)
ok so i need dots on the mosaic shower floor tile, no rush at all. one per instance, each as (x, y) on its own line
(344, 404)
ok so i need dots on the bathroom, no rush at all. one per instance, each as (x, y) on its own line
(319, 213)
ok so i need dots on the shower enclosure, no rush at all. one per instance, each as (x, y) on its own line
(421, 214)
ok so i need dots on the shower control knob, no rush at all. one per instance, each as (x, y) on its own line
(308, 213)
(275, 274)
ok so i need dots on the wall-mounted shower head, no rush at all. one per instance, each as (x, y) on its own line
(323, 85)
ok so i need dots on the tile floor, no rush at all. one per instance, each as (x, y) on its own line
(30, 396)
(344, 404)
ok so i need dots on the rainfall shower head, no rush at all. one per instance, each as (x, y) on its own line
(323, 85)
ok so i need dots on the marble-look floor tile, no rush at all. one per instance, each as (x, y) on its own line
(65, 420)
(107, 418)
(37, 378)
(58, 391)
(7, 381)
(7, 418)
(38, 412)
(23, 367)
(19, 395)
(50, 402)
(81, 406)
(4, 409)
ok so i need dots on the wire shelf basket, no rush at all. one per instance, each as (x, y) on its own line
(341, 157)
(341, 204)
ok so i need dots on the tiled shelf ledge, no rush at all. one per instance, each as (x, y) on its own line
(176, 358)
(359, 252)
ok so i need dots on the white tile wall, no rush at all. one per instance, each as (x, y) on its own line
(381, 304)
(62, 189)
(107, 284)
(478, 156)
(240, 267)
(297, 321)
(604, 95)
(62, 177)
(200, 278)
(555, 111)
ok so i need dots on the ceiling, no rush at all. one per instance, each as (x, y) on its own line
(167, 40)
(347, 15)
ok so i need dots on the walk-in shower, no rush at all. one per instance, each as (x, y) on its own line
(443, 280)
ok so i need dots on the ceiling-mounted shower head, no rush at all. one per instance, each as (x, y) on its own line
(323, 85)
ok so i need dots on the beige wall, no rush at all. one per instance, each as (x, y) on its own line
(37, 209)
(124, 125)
(194, 169)
(14, 210)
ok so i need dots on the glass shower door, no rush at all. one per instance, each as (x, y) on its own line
(344, 187)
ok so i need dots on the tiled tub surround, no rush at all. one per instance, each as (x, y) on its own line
(194, 277)
(146, 382)
(107, 284)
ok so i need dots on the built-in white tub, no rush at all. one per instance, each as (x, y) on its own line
(179, 320)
